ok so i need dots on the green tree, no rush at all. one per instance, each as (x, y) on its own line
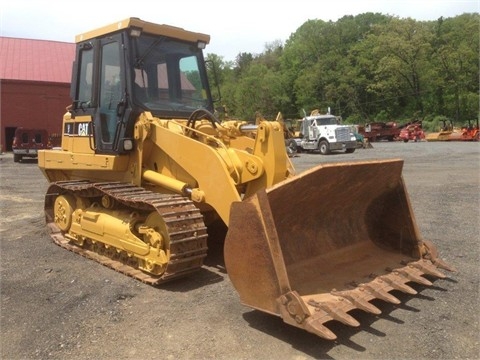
(456, 58)
(401, 50)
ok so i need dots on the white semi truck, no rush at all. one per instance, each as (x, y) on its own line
(324, 133)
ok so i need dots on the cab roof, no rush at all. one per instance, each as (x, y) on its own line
(144, 26)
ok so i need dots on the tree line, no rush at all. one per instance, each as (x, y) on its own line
(368, 67)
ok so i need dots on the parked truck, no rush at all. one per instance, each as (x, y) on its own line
(377, 131)
(27, 142)
(324, 133)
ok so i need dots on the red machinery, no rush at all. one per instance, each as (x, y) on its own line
(467, 133)
(377, 131)
(412, 131)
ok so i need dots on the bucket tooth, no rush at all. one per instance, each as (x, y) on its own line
(379, 293)
(428, 268)
(316, 327)
(358, 301)
(335, 313)
(443, 265)
(395, 280)
(432, 255)
(413, 274)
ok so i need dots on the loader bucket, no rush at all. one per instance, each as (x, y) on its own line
(330, 240)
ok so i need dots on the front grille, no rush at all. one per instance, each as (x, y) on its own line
(342, 134)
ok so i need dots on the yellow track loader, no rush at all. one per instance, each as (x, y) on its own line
(145, 167)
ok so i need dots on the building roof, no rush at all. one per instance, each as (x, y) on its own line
(36, 60)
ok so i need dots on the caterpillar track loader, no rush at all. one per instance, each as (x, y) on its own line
(145, 168)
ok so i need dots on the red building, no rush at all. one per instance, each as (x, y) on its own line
(35, 80)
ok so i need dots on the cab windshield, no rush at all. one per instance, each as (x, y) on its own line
(167, 75)
(327, 121)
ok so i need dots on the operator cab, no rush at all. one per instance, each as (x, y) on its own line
(132, 67)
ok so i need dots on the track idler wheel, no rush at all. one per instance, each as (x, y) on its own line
(63, 211)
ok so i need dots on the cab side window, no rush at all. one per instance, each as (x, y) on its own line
(110, 90)
(85, 79)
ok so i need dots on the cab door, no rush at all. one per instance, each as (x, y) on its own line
(312, 130)
(111, 96)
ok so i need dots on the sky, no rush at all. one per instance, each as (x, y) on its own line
(235, 26)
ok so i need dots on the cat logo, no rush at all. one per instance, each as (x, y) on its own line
(82, 129)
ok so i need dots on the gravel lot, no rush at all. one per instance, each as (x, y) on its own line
(57, 305)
